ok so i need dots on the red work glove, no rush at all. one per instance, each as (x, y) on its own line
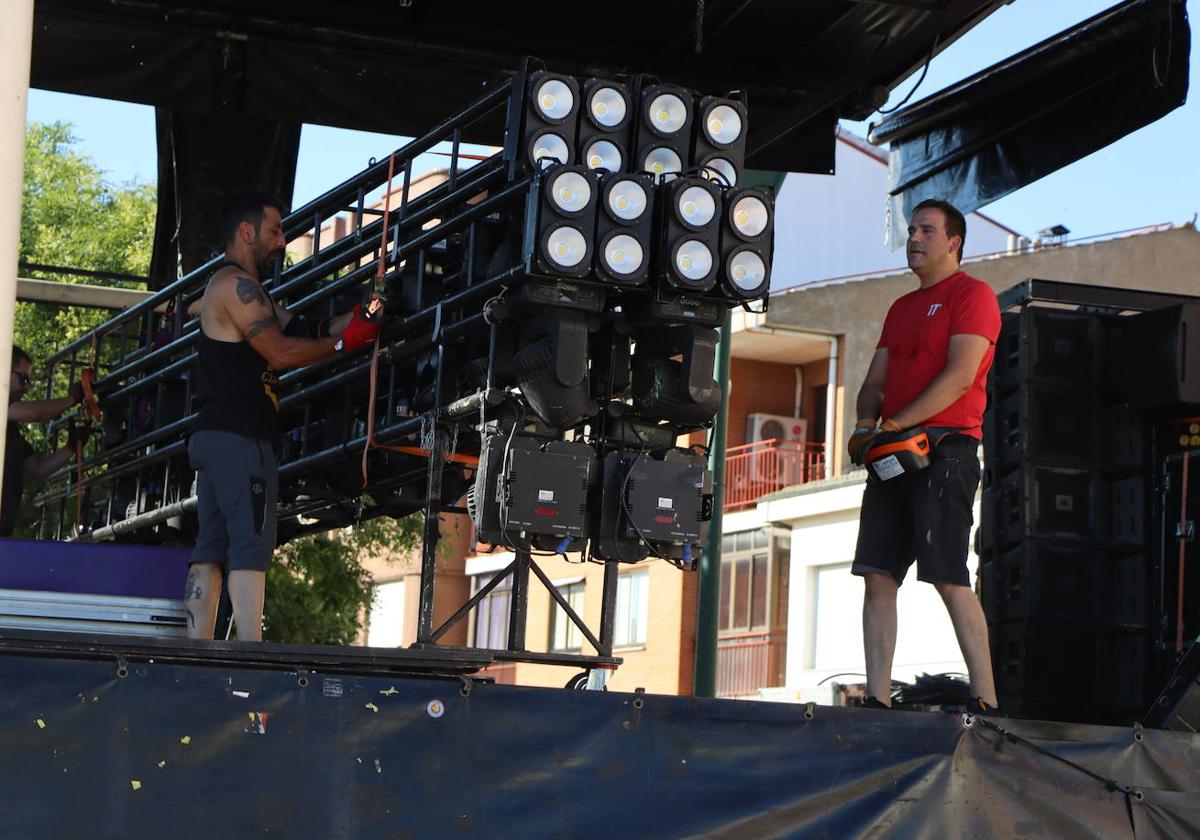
(361, 330)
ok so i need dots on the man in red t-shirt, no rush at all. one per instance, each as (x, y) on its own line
(929, 369)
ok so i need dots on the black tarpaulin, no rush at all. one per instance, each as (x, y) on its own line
(237, 749)
(1039, 111)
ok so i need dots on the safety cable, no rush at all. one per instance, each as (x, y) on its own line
(1111, 784)
(380, 268)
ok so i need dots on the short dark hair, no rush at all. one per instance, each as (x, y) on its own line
(246, 207)
(956, 223)
(18, 356)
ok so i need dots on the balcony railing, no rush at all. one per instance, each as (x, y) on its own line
(755, 469)
(747, 662)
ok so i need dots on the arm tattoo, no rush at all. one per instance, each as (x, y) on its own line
(260, 325)
(248, 291)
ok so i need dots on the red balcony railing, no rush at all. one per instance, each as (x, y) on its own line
(755, 469)
(749, 661)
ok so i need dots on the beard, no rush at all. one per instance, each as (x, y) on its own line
(265, 263)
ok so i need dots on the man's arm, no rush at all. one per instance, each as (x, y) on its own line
(962, 366)
(41, 467)
(870, 395)
(255, 317)
(39, 411)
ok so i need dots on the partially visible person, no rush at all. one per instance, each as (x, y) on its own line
(244, 337)
(22, 461)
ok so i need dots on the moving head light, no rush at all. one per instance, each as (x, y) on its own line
(673, 374)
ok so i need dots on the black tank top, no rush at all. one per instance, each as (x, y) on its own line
(234, 389)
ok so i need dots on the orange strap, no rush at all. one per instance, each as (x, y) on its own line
(380, 268)
(86, 377)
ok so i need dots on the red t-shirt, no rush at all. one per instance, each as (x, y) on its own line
(917, 334)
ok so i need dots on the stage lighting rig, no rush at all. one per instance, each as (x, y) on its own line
(530, 493)
(689, 218)
(549, 113)
(552, 366)
(663, 129)
(673, 374)
(747, 238)
(560, 222)
(624, 225)
(653, 506)
(720, 142)
(603, 138)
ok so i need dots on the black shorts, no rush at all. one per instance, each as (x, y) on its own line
(237, 484)
(925, 516)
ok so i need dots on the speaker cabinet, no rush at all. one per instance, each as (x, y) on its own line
(1048, 345)
(1085, 584)
(1070, 672)
(1159, 356)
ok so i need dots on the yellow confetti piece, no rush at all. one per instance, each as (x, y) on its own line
(389, 691)
(359, 760)
(251, 715)
(162, 764)
(41, 723)
(372, 707)
(186, 739)
(135, 784)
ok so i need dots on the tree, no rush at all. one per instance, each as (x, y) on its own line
(317, 589)
(72, 217)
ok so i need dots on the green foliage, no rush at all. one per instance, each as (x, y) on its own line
(318, 591)
(72, 217)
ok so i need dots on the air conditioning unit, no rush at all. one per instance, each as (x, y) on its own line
(787, 465)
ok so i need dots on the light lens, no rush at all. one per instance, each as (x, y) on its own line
(608, 107)
(570, 192)
(723, 125)
(696, 206)
(667, 113)
(623, 254)
(550, 148)
(566, 246)
(747, 271)
(554, 100)
(603, 154)
(627, 200)
(749, 216)
(693, 260)
(728, 172)
(662, 161)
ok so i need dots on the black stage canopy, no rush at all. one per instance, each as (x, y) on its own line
(233, 81)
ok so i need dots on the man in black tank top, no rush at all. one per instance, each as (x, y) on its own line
(244, 338)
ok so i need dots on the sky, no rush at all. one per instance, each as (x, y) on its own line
(1149, 177)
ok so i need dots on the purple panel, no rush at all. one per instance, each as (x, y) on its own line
(99, 569)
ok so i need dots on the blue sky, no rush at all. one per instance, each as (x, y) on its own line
(1149, 177)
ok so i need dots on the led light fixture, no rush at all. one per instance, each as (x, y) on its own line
(747, 238)
(604, 121)
(720, 139)
(624, 223)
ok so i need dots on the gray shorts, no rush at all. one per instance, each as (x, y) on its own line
(237, 484)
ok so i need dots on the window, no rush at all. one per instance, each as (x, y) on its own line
(754, 568)
(565, 636)
(387, 615)
(632, 609)
(491, 615)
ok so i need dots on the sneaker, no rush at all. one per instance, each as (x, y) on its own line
(976, 706)
(873, 703)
